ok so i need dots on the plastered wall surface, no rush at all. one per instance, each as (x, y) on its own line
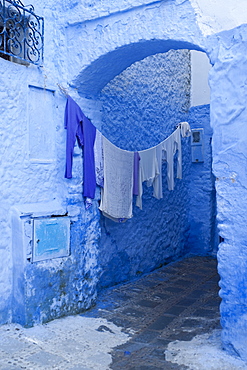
(140, 108)
(201, 207)
(28, 177)
(228, 117)
(138, 112)
(134, 39)
(215, 16)
(32, 170)
(84, 56)
(38, 173)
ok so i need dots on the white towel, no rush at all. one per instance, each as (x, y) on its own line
(169, 147)
(117, 194)
(148, 171)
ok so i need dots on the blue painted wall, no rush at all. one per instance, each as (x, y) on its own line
(55, 287)
(140, 108)
(228, 119)
(33, 164)
(201, 210)
(111, 38)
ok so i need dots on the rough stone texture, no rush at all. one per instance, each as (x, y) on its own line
(70, 343)
(201, 209)
(122, 331)
(140, 108)
(174, 303)
(99, 50)
(24, 181)
(228, 120)
(115, 42)
(63, 286)
(45, 293)
(212, 19)
(138, 112)
(143, 105)
(93, 9)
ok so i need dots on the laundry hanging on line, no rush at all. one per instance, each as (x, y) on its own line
(151, 165)
(80, 128)
(118, 172)
(117, 193)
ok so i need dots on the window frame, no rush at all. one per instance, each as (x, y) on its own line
(21, 33)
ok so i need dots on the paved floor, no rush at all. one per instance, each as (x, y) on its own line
(129, 328)
(175, 302)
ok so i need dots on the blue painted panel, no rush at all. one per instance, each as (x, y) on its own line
(51, 238)
(197, 153)
(197, 145)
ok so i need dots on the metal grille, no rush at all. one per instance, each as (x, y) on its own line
(21, 32)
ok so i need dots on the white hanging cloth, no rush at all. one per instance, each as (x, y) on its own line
(150, 168)
(169, 148)
(117, 193)
(148, 171)
(99, 160)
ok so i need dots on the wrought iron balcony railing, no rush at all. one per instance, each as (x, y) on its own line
(21, 33)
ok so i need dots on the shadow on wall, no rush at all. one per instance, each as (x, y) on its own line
(92, 80)
(141, 107)
(202, 236)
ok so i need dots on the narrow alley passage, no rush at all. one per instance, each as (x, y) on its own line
(176, 302)
(141, 325)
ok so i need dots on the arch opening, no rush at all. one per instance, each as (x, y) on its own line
(140, 107)
(95, 77)
(227, 115)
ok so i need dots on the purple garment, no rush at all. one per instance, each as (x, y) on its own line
(136, 174)
(89, 175)
(73, 123)
(79, 127)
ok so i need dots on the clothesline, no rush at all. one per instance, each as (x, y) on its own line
(66, 94)
(143, 150)
(119, 172)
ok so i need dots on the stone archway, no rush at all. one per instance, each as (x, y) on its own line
(110, 44)
(102, 48)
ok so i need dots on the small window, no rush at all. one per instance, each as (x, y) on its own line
(21, 33)
(196, 136)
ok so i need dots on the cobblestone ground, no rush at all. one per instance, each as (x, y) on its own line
(176, 302)
(129, 328)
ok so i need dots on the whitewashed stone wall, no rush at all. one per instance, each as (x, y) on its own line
(87, 44)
